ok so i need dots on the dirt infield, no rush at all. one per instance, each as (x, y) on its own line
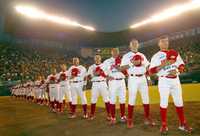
(19, 118)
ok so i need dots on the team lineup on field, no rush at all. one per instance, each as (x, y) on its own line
(108, 80)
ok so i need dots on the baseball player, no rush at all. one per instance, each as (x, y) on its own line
(38, 90)
(137, 67)
(97, 75)
(167, 64)
(52, 81)
(77, 74)
(64, 87)
(116, 83)
(43, 89)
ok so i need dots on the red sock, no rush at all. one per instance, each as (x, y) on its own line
(84, 108)
(122, 109)
(130, 111)
(107, 105)
(146, 110)
(93, 107)
(112, 110)
(73, 108)
(181, 116)
(70, 105)
(163, 115)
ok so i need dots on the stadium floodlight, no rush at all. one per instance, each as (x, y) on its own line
(35, 13)
(168, 13)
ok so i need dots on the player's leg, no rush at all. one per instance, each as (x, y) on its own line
(112, 92)
(60, 98)
(83, 100)
(176, 92)
(69, 96)
(94, 97)
(122, 100)
(74, 100)
(164, 90)
(132, 91)
(51, 96)
(105, 95)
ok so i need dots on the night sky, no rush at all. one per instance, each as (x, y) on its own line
(108, 15)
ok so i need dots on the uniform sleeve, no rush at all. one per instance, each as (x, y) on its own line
(179, 61)
(90, 71)
(154, 62)
(180, 64)
(125, 60)
(153, 65)
(145, 62)
(84, 72)
(105, 67)
(69, 72)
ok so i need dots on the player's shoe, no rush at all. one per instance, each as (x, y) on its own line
(91, 117)
(129, 123)
(112, 121)
(108, 118)
(185, 127)
(149, 122)
(164, 130)
(72, 116)
(85, 116)
(123, 119)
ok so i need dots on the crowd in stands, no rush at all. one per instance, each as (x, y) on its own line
(18, 64)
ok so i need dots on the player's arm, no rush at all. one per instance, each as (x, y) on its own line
(180, 64)
(156, 65)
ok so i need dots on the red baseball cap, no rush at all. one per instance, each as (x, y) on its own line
(172, 55)
(137, 57)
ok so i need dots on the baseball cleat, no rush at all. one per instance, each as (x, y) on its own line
(185, 128)
(72, 116)
(85, 116)
(164, 130)
(123, 119)
(112, 121)
(149, 121)
(129, 123)
(108, 118)
(91, 117)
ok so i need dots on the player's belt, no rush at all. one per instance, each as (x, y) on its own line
(99, 81)
(118, 79)
(75, 81)
(172, 77)
(137, 75)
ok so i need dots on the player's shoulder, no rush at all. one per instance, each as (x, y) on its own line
(128, 54)
(93, 65)
(158, 54)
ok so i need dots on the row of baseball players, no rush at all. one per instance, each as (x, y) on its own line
(108, 80)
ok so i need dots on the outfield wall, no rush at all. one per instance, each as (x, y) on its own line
(191, 92)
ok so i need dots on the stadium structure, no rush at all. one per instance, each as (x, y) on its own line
(29, 48)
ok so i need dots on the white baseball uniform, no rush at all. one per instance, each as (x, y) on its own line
(168, 85)
(117, 86)
(77, 84)
(99, 85)
(52, 80)
(64, 87)
(136, 78)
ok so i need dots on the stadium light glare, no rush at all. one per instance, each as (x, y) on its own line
(168, 13)
(35, 13)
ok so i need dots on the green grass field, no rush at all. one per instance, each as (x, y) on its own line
(21, 118)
